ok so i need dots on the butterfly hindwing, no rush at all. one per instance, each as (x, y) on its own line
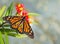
(27, 29)
(20, 28)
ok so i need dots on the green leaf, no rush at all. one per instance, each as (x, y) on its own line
(1, 38)
(33, 14)
(6, 38)
(1, 20)
(13, 33)
(35, 22)
(9, 10)
(21, 35)
(2, 10)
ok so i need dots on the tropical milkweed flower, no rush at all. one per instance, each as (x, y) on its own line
(25, 13)
(19, 8)
(21, 11)
(27, 17)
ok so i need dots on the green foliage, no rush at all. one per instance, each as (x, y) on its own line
(2, 10)
(9, 10)
(21, 35)
(1, 38)
(1, 20)
(2, 30)
(6, 38)
(33, 14)
(12, 32)
(1, 13)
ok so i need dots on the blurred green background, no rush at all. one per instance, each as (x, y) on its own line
(47, 29)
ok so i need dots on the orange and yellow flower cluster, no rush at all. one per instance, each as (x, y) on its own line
(21, 11)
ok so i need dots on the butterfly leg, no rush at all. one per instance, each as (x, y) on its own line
(17, 31)
(2, 25)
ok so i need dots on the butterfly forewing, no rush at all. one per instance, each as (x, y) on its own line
(15, 25)
(13, 19)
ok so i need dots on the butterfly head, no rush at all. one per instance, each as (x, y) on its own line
(6, 18)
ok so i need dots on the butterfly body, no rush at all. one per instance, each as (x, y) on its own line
(19, 23)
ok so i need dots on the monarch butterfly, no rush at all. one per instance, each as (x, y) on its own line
(19, 23)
